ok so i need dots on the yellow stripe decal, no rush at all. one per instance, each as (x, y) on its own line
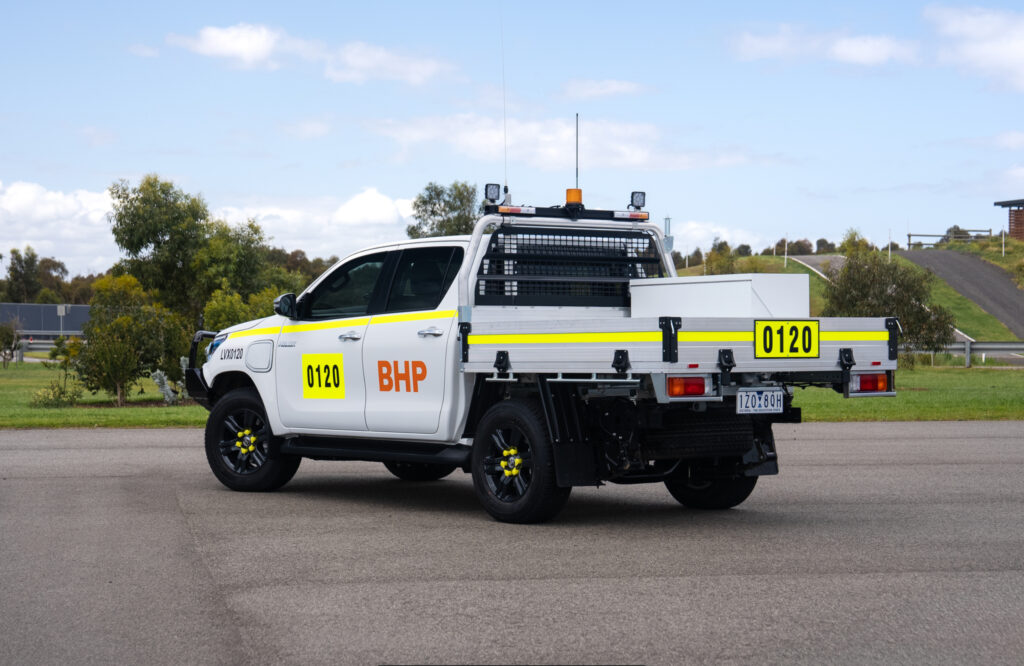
(413, 316)
(563, 338)
(716, 336)
(326, 325)
(855, 336)
(272, 330)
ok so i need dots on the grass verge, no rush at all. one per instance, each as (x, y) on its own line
(927, 394)
(18, 383)
(924, 394)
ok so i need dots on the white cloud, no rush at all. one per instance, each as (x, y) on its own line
(794, 42)
(308, 129)
(359, 62)
(250, 46)
(787, 42)
(247, 45)
(590, 89)
(550, 144)
(986, 40)
(692, 234)
(325, 227)
(71, 227)
(870, 51)
(143, 51)
(1012, 140)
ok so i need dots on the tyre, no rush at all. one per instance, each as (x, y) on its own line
(241, 449)
(513, 465)
(408, 471)
(711, 493)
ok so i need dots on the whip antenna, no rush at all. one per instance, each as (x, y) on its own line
(577, 151)
(504, 104)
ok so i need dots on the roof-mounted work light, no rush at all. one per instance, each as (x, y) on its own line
(637, 200)
(492, 191)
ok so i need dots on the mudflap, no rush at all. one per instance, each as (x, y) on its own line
(761, 459)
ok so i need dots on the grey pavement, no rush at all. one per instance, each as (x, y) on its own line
(878, 543)
(986, 284)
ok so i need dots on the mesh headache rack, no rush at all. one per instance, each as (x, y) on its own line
(569, 267)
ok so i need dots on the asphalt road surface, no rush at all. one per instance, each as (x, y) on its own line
(878, 543)
(986, 284)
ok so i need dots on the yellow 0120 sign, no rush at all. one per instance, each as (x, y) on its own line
(323, 376)
(778, 338)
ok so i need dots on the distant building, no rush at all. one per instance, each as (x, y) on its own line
(1016, 217)
(44, 321)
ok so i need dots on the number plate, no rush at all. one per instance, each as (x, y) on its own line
(323, 377)
(759, 401)
(776, 338)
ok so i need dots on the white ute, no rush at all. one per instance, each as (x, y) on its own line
(554, 347)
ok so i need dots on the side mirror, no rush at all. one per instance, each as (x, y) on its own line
(284, 305)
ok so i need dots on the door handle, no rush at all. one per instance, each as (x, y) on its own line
(351, 335)
(433, 330)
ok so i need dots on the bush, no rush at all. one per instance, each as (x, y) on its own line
(869, 286)
(127, 337)
(57, 395)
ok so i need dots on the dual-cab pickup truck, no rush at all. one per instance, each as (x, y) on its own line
(552, 348)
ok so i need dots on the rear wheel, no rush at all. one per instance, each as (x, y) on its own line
(241, 449)
(408, 471)
(513, 465)
(699, 493)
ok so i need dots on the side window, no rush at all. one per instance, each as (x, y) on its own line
(347, 291)
(422, 277)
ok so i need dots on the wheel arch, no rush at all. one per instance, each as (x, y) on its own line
(227, 382)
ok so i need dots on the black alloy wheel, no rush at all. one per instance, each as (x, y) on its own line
(241, 448)
(513, 465)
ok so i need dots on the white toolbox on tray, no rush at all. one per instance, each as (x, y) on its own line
(752, 295)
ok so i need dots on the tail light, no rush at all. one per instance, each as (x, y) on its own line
(683, 386)
(876, 382)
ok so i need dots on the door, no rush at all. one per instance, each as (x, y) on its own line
(408, 347)
(319, 357)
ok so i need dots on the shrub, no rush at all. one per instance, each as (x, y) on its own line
(57, 395)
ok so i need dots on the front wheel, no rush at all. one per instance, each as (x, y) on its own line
(408, 471)
(513, 465)
(699, 493)
(240, 447)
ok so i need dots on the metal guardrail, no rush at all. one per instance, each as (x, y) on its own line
(967, 347)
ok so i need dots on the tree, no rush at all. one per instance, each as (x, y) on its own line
(47, 295)
(9, 341)
(802, 246)
(823, 246)
(853, 243)
(126, 338)
(161, 229)
(742, 250)
(869, 286)
(52, 274)
(444, 211)
(23, 276)
(720, 260)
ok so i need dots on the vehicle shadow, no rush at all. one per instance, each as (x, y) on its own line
(612, 507)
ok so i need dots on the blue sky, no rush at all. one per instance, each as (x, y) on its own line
(323, 121)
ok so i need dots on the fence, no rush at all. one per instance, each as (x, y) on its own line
(967, 347)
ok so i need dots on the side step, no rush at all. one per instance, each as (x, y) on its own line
(339, 448)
